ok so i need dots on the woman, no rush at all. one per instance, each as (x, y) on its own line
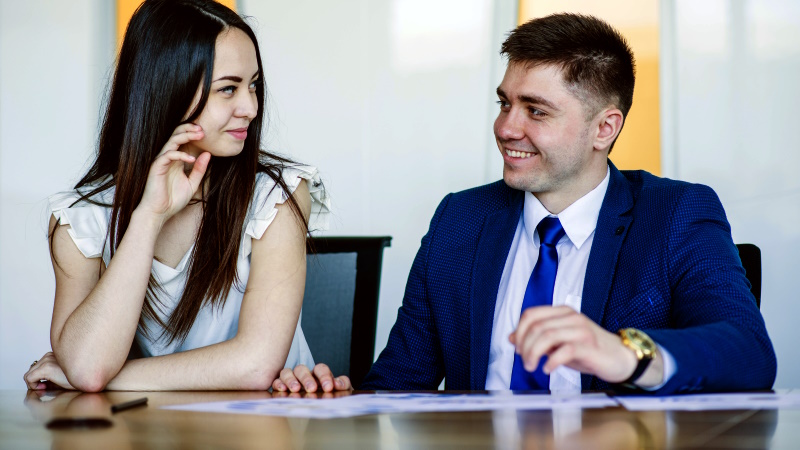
(184, 243)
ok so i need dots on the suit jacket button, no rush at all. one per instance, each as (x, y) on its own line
(619, 230)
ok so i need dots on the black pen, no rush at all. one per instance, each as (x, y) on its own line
(128, 405)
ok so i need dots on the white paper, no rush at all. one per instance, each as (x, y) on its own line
(391, 403)
(703, 402)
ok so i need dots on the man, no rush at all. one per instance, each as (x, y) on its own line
(570, 274)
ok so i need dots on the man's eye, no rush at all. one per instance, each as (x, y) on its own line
(536, 112)
(503, 104)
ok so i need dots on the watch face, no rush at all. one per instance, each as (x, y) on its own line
(642, 341)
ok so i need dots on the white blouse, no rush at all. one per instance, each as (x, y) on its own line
(89, 226)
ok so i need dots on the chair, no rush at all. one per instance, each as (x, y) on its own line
(750, 255)
(340, 306)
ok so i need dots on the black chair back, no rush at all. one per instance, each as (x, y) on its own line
(340, 306)
(750, 255)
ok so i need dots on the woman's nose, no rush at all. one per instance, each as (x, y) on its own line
(247, 106)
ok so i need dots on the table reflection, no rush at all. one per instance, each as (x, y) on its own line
(135, 427)
(47, 405)
(724, 429)
(563, 428)
(617, 428)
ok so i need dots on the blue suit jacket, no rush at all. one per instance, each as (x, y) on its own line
(662, 261)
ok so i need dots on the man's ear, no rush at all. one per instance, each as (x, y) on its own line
(608, 128)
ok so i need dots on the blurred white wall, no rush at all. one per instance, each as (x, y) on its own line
(54, 57)
(730, 91)
(393, 101)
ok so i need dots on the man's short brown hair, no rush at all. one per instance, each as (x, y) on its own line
(595, 59)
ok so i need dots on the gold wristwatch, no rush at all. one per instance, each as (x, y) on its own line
(643, 347)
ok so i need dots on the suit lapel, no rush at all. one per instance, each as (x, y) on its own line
(612, 227)
(490, 260)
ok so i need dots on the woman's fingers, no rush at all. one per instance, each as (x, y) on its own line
(198, 170)
(305, 377)
(343, 383)
(288, 379)
(279, 386)
(169, 187)
(46, 373)
(323, 373)
(34, 377)
(174, 155)
(30, 383)
(183, 134)
(302, 378)
(175, 160)
(183, 128)
(31, 377)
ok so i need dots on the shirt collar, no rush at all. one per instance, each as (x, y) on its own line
(579, 219)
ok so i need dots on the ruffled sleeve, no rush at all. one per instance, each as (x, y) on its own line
(88, 222)
(268, 195)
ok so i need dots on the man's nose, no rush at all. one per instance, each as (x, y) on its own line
(508, 126)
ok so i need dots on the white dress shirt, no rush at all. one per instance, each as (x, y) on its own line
(579, 221)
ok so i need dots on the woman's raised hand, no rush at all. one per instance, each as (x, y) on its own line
(169, 188)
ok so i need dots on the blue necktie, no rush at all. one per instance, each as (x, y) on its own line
(538, 293)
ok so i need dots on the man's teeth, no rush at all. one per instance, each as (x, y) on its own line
(516, 154)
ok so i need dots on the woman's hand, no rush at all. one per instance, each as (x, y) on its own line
(169, 188)
(302, 379)
(45, 373)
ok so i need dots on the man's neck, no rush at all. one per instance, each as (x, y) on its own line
(559, 200)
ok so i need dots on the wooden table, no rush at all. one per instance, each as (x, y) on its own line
(23, 416)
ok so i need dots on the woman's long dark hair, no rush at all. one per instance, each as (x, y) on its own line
(168, 51)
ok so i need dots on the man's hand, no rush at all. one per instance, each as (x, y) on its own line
(301, 379)
(569, 338)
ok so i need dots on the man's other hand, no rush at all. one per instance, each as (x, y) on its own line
(571, 339)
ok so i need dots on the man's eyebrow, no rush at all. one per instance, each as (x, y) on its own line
(234, 78)
(536, 100)
(532, 99)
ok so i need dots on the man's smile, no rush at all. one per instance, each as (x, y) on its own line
(519, 154)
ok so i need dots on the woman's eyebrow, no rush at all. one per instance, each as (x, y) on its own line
(234, 78)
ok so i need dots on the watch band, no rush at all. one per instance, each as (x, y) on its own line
(644, 348)
(640, 368)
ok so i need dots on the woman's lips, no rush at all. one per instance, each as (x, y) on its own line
(239, 133)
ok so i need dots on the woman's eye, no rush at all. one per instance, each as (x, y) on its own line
(228, 90)
(254, 85)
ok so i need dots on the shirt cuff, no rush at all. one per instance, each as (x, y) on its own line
(669, 368)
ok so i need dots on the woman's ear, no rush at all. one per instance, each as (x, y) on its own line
(195, 102)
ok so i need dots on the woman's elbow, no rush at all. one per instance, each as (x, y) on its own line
(256, 376)
(87, 377)
(88, 381)
(87, 372)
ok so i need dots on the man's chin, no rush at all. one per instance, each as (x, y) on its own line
(514, 181)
